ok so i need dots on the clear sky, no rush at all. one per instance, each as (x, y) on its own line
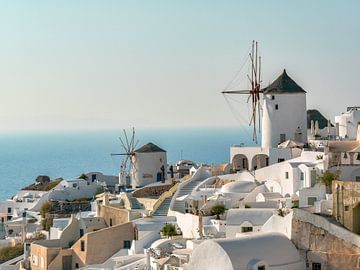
(115, 64)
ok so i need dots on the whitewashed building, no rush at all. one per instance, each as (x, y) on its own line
(149, 165)
(347, 123)
(244, 220)
(284, 118)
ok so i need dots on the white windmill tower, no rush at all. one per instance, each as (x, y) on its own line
(279, 109)
(127, 166)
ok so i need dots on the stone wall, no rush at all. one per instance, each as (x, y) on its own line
(346, 204)
(42, 255)
(152, 191)
(99, 246)
(320, 240)
(114, 216)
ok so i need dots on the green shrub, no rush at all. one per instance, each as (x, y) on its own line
(169, 230)
(218, 210)
(45, 209)
(51, 185)
(8, 253)
(47, 223)
(99, 190)
(83, 176)
(327, 179)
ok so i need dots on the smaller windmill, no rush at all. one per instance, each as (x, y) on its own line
(127, 167)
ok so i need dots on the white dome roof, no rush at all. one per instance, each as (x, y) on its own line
(273, 249)
(238, 187)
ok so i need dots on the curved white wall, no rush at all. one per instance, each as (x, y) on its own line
(146, 168)
(290, 115)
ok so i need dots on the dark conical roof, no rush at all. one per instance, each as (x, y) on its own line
(148, 148)
(316, 116)
(283, 85)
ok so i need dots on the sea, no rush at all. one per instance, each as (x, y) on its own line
(67, 154)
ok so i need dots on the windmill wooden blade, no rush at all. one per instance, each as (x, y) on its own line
(126, 139)
(123, 144)
(247, 101)
(255, 91)
(132, 142)
(241, 92)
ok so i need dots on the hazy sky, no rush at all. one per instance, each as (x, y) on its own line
(115, 64)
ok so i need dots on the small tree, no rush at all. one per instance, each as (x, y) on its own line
(46, 208)
(99, 190)
(83, 176)
(46, 221)
(327, 179)
(169, 230)
(218, 210)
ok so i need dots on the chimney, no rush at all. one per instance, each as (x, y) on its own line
(106, 199)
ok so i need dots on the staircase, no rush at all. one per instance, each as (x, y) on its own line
(163, 208)
(135, 203)
(179, 206)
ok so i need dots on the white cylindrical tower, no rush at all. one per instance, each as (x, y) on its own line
(149, 165)
(284, 112)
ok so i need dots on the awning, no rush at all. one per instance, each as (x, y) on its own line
(290, 144)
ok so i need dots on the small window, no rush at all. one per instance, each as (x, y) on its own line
(127, 244)
(93, 177)
(246, 229)
(76, 266)
(261, 267)
(276, 106)
(272, 97)
(286, 175)
(346, 208)
(282, 138)
(316, 266)
(9, 210)
(311, 200)
(35, 260)
(357, 178)
(302, 176)
(111, 222)
(281, 160)
(82, 245)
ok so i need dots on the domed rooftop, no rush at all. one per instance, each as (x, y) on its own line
(272, 249)
(238, 187)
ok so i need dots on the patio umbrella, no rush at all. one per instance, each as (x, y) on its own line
(290, 144)
(186, 197)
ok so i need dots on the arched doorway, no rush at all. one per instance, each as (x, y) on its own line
(240, 163)
(259, 161)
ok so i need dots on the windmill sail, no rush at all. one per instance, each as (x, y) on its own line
(254, 91)
(127, 166)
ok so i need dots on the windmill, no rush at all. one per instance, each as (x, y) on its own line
(253, 93)
(128, 145)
